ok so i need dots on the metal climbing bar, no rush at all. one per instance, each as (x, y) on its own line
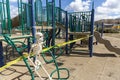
(20, 52)
(5, 22)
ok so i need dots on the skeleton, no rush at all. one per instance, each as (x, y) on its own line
(37, 49)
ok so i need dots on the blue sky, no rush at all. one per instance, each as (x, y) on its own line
(104, 9)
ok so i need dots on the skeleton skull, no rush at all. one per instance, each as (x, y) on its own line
(39, 37)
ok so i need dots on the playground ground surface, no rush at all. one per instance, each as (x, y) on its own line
(104, 65)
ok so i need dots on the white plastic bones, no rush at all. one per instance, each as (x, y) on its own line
(37, 49)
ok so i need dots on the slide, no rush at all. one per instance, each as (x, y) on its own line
(15, 21)
(107, 43)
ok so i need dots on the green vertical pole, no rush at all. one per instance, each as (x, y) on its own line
(60, 15)
(20, 11)
(22, 16)
(47, 12)
(66, 25)
(53, 36)
(4, 17)
(38, 12)
(70, 23)
(53, 22)
(47, 15)
(79, 28)
(75, 26)
(1, 17)
(8, 16)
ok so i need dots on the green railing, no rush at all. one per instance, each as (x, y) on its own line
(5, 22)
(60, 15)
(24, 17)
(80, 21)
(38, 12)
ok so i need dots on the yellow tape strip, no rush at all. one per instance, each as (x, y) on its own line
(14, 62)
(65, 43)
(10, 63)
(72, 41)
(44, 50)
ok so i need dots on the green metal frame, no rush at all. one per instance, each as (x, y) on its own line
(60, 15)
(20, 51)
(5, 18)
(49, 13)
(38, 12)
(53, 16)
(80, 21)
(24, 17)
(54, 60)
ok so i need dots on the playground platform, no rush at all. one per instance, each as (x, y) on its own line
(104, 65)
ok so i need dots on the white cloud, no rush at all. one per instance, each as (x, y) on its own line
(104, 16)
(109, 9)
(78, 5)
(13, 11)
(14, 7)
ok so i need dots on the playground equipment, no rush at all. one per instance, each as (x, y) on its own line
(38, 12)
(22, 20)
(43, 19)
(56, 18)
(106, 43)
(81, 24)
(5, 22)
(20, 52)
(37, 48)
(45, 23)
(24, 11)
(80, 21)
(100, 28)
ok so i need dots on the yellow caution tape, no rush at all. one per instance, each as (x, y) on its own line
(72, 41)
(44, 50)
(14, 62)
(10, 63)
(65, 43)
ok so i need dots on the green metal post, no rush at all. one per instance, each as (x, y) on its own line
(47, 12)
(8, 16)
(38, 12)
(60, 15)
(20, 11)
(4, 17)
(53, 22)
(66, 31)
